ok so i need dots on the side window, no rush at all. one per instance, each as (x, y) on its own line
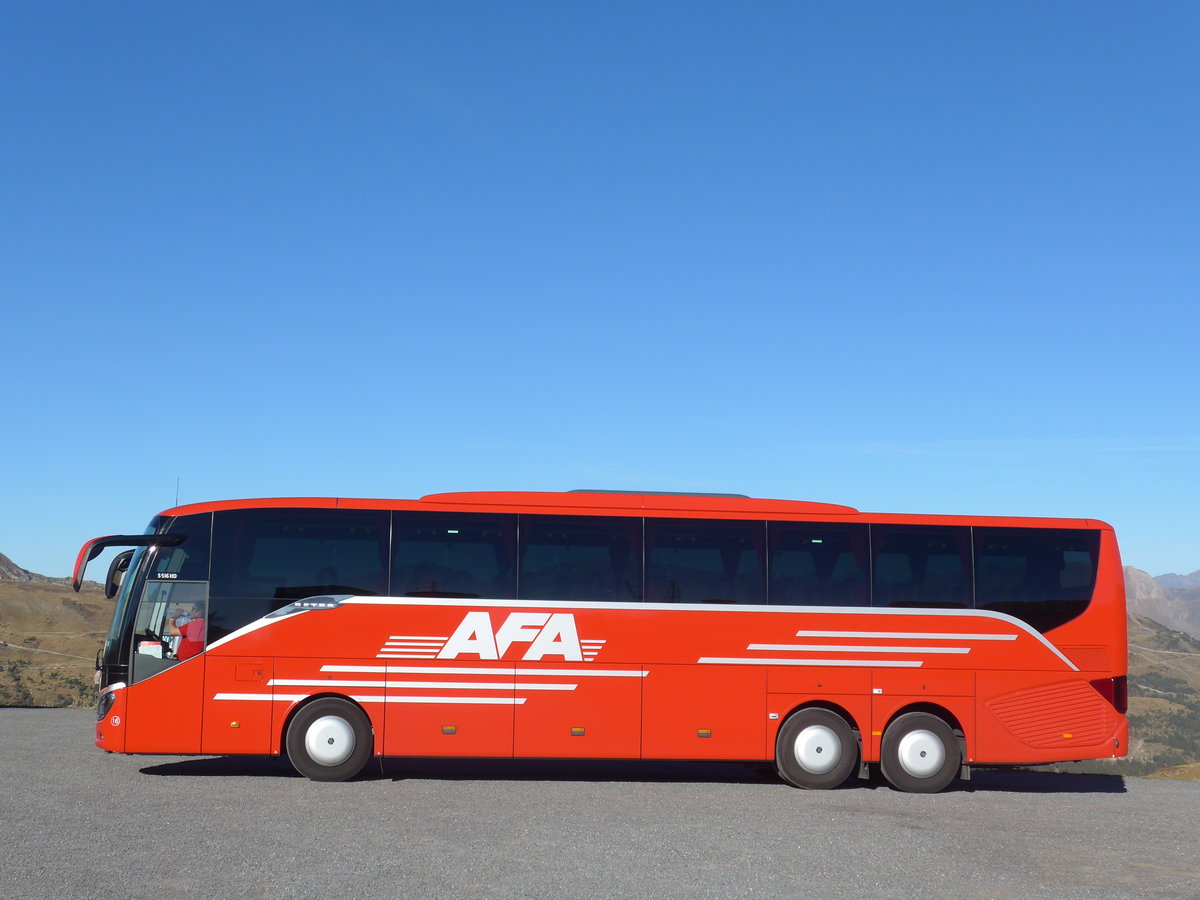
(453, 555)
(580, 558)
(265, 558)
(818, 565)
(1042, 576)
(697, 561)
(921, 566)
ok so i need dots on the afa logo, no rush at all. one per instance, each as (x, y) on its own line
(547, 634)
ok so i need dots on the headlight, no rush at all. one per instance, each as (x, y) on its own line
(104, 703)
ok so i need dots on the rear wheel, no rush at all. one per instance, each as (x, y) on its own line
(816, 749)
(919, 754)
(329, 740)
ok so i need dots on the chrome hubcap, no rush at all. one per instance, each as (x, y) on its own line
(921, 753)
(817, 749)
(329, 740)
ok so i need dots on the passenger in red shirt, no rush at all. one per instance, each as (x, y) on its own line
(190, 633)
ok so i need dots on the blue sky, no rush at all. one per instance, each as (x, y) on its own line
(908, 257)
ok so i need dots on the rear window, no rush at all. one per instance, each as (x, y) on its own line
(1042, 576)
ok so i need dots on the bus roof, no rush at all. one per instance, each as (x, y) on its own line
(621, 503)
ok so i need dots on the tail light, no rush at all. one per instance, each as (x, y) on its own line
(1115, 691)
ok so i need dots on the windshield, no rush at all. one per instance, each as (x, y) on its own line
(162, 583)
(171, 621)
(132, 575)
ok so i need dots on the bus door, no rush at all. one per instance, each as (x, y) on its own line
(166, 668)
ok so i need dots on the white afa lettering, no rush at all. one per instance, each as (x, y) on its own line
(546, 635)
(557, 638)
(523, 627)
(473, 635)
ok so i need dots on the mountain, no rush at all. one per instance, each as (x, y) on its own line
(1179, 581)
(49, 636)
(1164, 703)
(10, 571)
(1176, 608)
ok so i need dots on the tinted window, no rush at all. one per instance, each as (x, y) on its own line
(690, 561)
(818, 565)
(580, 558)
(1042, 576)
(265, 558)
(189, 560)
(921, 566)
(453, 555)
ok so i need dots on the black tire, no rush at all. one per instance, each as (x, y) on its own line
(816, 749)
(329, 740)
(920, 754)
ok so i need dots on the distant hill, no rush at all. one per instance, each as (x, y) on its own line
(1179, 581)
(49, 636)
(10, 571)
(1164, 700)
(1178, 608)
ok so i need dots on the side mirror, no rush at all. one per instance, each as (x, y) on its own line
(116, 573)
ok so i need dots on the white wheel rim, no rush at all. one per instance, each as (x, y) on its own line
(329, 741)
(921, 753)
(817, 749)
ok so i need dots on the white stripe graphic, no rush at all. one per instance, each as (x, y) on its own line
(380, 698)
(586, 673)
(304, 682)
(490, 670)
(380, 669)
(901, 635)
(290, 698)
(856, 648)
(477, 701)
(429, 685)
(763, 661)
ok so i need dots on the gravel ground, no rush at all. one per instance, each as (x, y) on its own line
(77, 822)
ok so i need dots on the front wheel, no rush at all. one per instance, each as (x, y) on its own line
(329, 740)
(919, 754)
(816, 749)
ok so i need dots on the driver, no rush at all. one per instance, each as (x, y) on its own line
(188, 625)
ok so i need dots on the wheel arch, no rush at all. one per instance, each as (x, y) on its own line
(829, 705)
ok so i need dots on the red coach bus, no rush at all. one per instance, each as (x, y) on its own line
(614, 625)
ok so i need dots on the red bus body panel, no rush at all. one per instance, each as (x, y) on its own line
(644, 680)
(450, 677)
